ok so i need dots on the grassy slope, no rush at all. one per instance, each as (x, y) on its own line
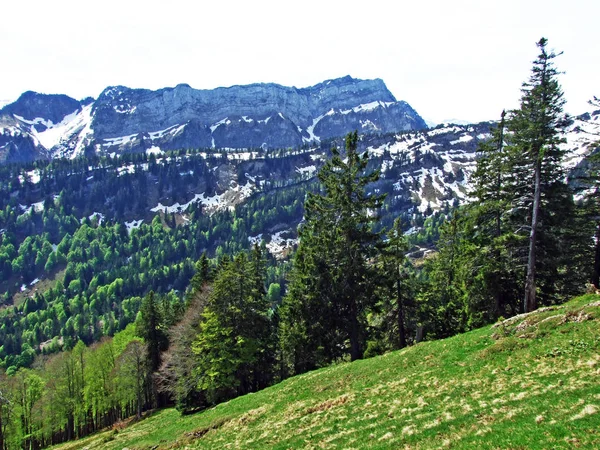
(532, 383)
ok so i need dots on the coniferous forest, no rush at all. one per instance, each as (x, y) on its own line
(193, 314)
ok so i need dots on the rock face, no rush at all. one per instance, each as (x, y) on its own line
(257, 115)
(51, 108)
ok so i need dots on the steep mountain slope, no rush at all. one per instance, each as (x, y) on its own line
(527, 382)
(426, 170)
(258, 115)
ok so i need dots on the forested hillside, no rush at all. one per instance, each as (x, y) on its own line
(221, 273)
(83, 240)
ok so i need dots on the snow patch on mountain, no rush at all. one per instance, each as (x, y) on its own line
(582, 135)
(78, 122)
(311, 128)
(133, 225)
(218, 202)
(463, 138)
(366, 107)
(277, 245)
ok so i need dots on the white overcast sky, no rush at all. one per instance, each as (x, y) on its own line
(449, 59)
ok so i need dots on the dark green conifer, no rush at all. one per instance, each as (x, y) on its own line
(332, 283)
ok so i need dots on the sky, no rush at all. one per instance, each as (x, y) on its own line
(459, 59)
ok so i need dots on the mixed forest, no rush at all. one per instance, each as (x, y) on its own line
(192, 314)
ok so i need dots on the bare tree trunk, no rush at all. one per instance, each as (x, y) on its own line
(530, 302)
(596, 274)
(1, 429)
(419, 336)
(355, 352)
(401, 330)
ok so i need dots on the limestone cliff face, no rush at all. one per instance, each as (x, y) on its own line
(257, 115)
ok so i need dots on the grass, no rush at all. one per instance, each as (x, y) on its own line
(528, 382)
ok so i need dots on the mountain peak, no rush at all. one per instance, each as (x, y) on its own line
(32, 105)
(265, 115)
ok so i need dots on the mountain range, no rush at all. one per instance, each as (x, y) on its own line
(263, 116)
(238, 129)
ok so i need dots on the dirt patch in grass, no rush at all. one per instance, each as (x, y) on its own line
(328, 404)
(201, 432)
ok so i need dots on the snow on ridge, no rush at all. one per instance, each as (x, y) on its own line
(464, 138)
(242, 156)
(124, 109)
(367, 123)
(86, 123)
(133, 224)
(173, 130)
(216, 125)
(154, 150)
(366, 107)
(38, 120)
(311, 128)
(176, 207)
(121, 140)
(76, 122)
(377, 151)
(307, 171)
(444, 130)
(226, 200)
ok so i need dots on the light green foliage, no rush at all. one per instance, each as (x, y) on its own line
(529, 382)
(73, 393)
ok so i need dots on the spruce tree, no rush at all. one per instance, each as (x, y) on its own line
(149, 327)
(396, 278)
(537, 128)
(234, 343)
(496, 251)
(332, 282)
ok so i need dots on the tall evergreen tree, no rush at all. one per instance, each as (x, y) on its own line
(331, 288)
(396, 277)
(235, 332)
(149, 327)
(497, 247)
(202, 273)
(538, 127)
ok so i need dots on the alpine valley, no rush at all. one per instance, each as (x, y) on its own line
(106, 203)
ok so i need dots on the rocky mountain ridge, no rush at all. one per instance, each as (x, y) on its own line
(423, 171)
(263, 116)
